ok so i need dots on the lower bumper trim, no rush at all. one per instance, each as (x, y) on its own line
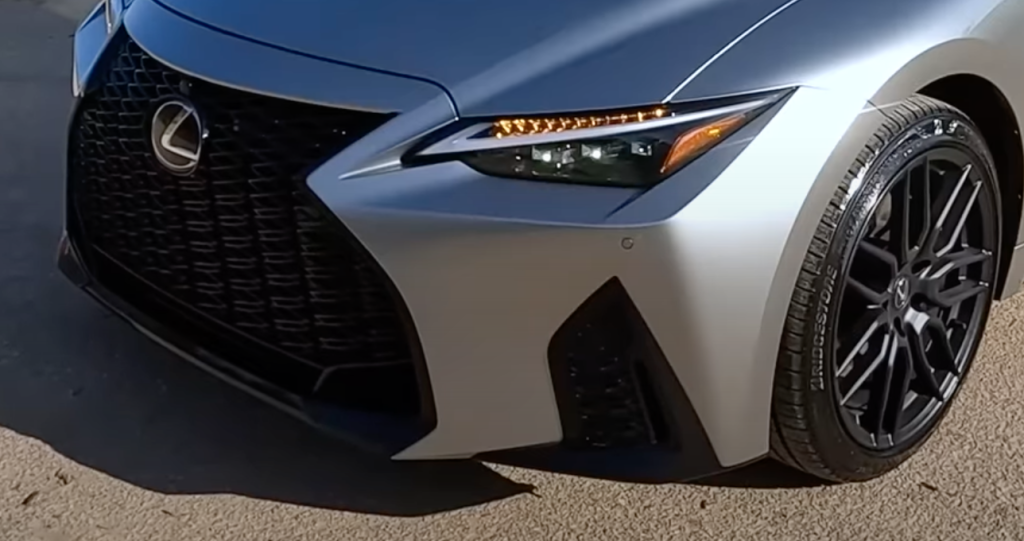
(375, 433)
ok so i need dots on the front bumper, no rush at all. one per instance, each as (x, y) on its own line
(669, 446)
(498, 275)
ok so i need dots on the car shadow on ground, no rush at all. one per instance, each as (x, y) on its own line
(102, 395)
(764, 474)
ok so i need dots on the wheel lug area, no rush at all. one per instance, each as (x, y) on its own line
(901, 291)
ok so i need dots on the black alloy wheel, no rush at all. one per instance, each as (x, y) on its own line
(914, 298)
(892, 299)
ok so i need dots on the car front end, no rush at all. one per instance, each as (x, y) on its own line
(364, 248)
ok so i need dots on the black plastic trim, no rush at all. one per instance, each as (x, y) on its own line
(684, 454)
(372, 432)
(428, 411)
(377, 432)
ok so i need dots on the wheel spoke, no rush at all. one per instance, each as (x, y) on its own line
(957, 261)
(954, 235)
(951, 212)
(899, 231)
(874, 297)
(899, 386)
(924, 374)
(882, 393)
(862, 331)
(940, 356)
(881, 254)
(966, 289)
(884, 353)
(921, 191)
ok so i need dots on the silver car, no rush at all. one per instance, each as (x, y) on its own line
(643, 240)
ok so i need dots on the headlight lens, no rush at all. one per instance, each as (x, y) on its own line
(638, 147)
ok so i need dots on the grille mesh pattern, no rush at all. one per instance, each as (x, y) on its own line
(237, 240)
(604, 387)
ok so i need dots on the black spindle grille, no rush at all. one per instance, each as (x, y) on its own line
(238, 240)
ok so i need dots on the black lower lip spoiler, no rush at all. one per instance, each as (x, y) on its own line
(373, 433)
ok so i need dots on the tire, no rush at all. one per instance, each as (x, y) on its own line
(871, 316)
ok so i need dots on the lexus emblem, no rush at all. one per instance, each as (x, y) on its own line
(176, 133)
(902, 291)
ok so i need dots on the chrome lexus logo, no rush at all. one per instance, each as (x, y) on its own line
(176, 133)
(902, 291)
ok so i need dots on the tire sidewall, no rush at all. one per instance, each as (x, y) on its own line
(836, 447)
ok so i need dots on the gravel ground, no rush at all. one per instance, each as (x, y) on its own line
(104, 436)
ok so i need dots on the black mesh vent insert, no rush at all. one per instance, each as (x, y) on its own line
(602, 380)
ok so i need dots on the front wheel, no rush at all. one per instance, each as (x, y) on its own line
(892, 300)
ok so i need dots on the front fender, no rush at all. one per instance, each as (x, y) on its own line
(757, 219)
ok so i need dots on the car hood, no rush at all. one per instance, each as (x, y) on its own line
(501, 57)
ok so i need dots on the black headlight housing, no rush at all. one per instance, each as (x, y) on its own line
(637, 147)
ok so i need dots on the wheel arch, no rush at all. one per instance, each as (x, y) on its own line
(977, 74)
(984, 103)
(949, 70)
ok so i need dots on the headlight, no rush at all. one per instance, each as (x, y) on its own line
(638, 147)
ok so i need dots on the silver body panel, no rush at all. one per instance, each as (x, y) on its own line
(710, 256)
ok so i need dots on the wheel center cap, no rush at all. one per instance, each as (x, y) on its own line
(901, 292)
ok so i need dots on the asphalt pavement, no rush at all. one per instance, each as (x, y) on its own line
(106, 437)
